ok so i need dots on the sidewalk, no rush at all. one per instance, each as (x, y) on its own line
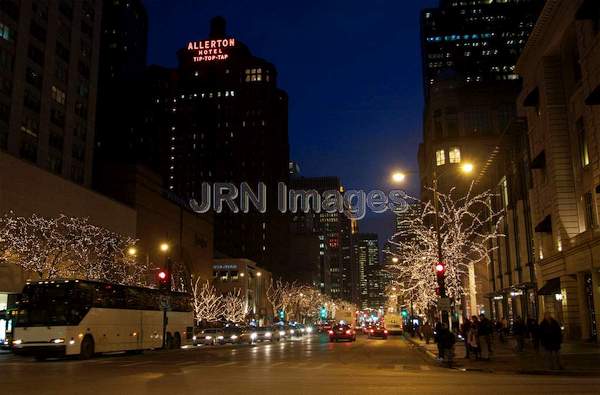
(578, 359)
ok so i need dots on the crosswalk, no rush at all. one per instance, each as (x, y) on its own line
(204, 364)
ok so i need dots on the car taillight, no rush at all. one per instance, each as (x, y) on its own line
(372, 331)
(331, 332)
(348, 332)
(385, 331)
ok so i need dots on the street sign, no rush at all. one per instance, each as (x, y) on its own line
(164, 302)
(444, 304)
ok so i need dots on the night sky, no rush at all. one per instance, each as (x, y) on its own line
(351, 68)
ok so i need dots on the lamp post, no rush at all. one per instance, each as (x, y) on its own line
(164, 248)
(440, 268)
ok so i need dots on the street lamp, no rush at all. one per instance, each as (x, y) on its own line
(395, 259)
(132, 251)
(465, 168)
(164, 247)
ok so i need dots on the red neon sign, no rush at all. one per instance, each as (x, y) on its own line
(211, 50)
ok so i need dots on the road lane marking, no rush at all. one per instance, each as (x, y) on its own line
(138, 363)
(222, 364)
(321, 366)
(186, 363)
(425, 367)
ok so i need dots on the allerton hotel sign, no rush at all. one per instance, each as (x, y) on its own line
(211, 50)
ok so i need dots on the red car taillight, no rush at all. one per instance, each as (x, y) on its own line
(348, 332)
(385, 331)
(331, 332)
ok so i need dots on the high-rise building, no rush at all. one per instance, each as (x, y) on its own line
(371, 280)
(123, 91)
(336, 275)
(475, 41)
(227, 122)
(48, 82)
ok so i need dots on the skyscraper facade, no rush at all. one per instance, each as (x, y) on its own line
(371, 277)
(48, 81)
(227, 122)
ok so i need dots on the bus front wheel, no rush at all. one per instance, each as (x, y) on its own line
(87, 348)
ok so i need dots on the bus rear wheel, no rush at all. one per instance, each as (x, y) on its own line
(87, 348)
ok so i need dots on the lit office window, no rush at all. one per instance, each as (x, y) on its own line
(454, 155)
(440, 157)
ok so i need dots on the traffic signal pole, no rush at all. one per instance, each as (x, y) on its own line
(441, 277)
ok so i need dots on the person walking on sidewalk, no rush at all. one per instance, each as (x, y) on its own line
(438, 339)
(519, 332)
(466, 327)
(474, 338)
(551, 339)
(533, 328)
(427, 332)
(486, 329)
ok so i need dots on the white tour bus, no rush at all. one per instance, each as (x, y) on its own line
(79, 317)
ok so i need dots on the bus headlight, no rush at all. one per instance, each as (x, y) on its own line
(17, 342)
(57, 341)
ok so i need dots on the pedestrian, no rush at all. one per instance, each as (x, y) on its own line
(438, 340)
(550, 334)
(474, 338)
(466, 327)
(485, 332)
(505, 329)
(447, 340)
(427, 331)
(519, 332)
(533, 329)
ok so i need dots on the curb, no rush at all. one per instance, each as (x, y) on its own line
(421, 348)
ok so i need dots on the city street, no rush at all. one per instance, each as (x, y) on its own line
(302, 366)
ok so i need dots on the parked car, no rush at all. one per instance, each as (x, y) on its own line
(208, 337)
(378, 331)
(342, 332)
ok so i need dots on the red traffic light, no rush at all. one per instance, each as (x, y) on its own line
(440, 268)
(162, 275)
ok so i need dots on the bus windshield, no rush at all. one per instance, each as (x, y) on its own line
(51, 304)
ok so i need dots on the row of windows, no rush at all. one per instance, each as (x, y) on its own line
(454, 156)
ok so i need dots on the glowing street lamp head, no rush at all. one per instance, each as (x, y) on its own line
(164, 247)
(258, 274)
(467, 168)
(395, 259)
(398, 177)
(132, 251)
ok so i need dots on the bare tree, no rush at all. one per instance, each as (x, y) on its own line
(207, 302)
(235, 306)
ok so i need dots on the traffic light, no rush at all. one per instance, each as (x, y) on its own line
(440, 269)
(404, 313)
(281, 315)
(163, 278)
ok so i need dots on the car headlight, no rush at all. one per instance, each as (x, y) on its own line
(194, 337)
(208, 337)
(291, 331)
(220, 337)
(309, 329)
(281, 333)
(268, 334)
(253, 336)
(233, 337)
(57, 341)
(17, 342)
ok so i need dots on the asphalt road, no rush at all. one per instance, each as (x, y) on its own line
(306, 366)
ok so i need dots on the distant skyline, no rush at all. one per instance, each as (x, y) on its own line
(352, 73)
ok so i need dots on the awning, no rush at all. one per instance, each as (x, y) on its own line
(588, 10)
(532, 99)
(551, 287)
(593, 98)
(545, 226)
(539, 162)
